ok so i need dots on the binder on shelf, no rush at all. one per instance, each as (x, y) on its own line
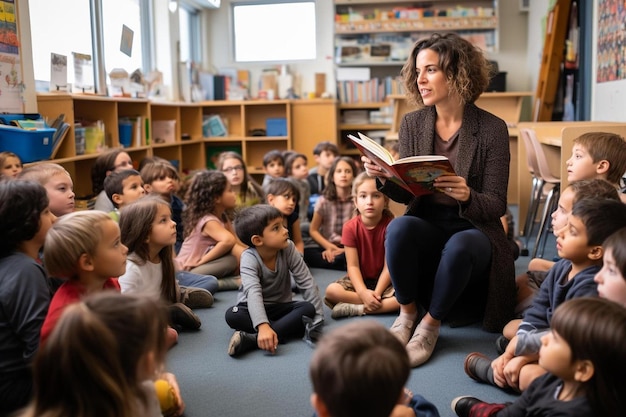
(219, 87)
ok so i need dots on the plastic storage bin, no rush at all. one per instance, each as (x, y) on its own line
(276, 127)
(29, 145)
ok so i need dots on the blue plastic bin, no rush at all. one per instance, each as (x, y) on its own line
(276, 127)
(29, 145)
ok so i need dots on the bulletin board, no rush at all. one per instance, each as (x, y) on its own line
(11, 78)
(609, 80)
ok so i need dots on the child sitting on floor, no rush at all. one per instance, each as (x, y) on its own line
(580, 246)
(10, 164)
(210, 246)
(58, 184)
(363, 360)
(273, 165)
(585, 357)
(367, 287)
(24, 286)
(332, 210)
(266, 314)
(122, 188)
(85, 249)
(102, 359)
(611, 279)
(283, 194)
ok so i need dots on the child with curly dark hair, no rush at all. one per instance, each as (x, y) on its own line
(210, 246)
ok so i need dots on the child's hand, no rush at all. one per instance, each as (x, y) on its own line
(497, 365)
(513, 369)
(169, 377)
(329, 254)
(188, 267)
(371, 300)
(267, 339)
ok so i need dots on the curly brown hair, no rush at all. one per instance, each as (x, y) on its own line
(206, 187)
(466, 68)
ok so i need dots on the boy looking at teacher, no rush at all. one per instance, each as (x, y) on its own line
(266, 314)
(325, 154)
(273, 165)
(579, 244)
(598, 155)
(122, 188)
(363, 360)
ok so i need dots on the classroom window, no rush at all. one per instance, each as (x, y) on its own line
(189, 24)
(274, 31)
(54, 29)
(115, 15)
(49, 36)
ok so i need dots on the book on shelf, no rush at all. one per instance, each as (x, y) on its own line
(212, 125)
(415, 174)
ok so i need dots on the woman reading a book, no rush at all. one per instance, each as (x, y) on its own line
(449, 253)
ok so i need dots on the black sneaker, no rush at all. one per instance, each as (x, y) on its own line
(241, 342)
(182, 315)
(462, 405)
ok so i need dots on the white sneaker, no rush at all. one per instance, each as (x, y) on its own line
(347, 310)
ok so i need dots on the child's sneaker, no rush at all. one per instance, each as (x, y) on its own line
(462, 405)
(347, 310)
(183, 316)
(229, 284)
(241, 342)
(196, 297)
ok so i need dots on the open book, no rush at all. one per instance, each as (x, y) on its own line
(413, 173)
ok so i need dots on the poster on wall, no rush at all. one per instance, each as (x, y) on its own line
(11, 85)
(611, 49)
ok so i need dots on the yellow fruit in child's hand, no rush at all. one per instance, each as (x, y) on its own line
(166, 396)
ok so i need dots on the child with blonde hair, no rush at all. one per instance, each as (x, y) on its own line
(57, 182)
(102, 360)
(24, 286)
(210, 246)
(332, 210)
(10, 164)
(149, 232)
(85, 249)
(366, 289)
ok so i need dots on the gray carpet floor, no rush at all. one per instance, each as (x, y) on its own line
(260, 385)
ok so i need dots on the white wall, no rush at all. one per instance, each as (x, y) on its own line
(512, 57)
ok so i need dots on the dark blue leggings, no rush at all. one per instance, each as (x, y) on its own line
(434, 263)
(285, 318)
